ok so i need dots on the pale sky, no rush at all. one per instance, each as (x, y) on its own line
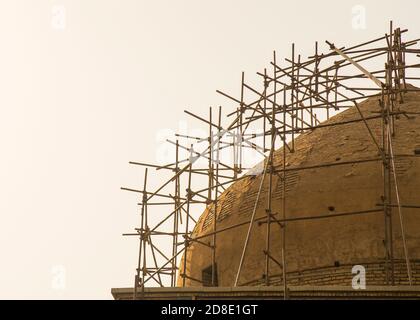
(81, 97)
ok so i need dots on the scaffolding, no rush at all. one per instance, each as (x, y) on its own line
(293, 99)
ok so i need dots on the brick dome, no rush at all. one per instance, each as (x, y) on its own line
(321, 251)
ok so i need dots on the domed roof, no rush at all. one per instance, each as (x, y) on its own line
(320, 250)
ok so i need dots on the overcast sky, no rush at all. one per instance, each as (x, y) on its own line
(88, 85)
